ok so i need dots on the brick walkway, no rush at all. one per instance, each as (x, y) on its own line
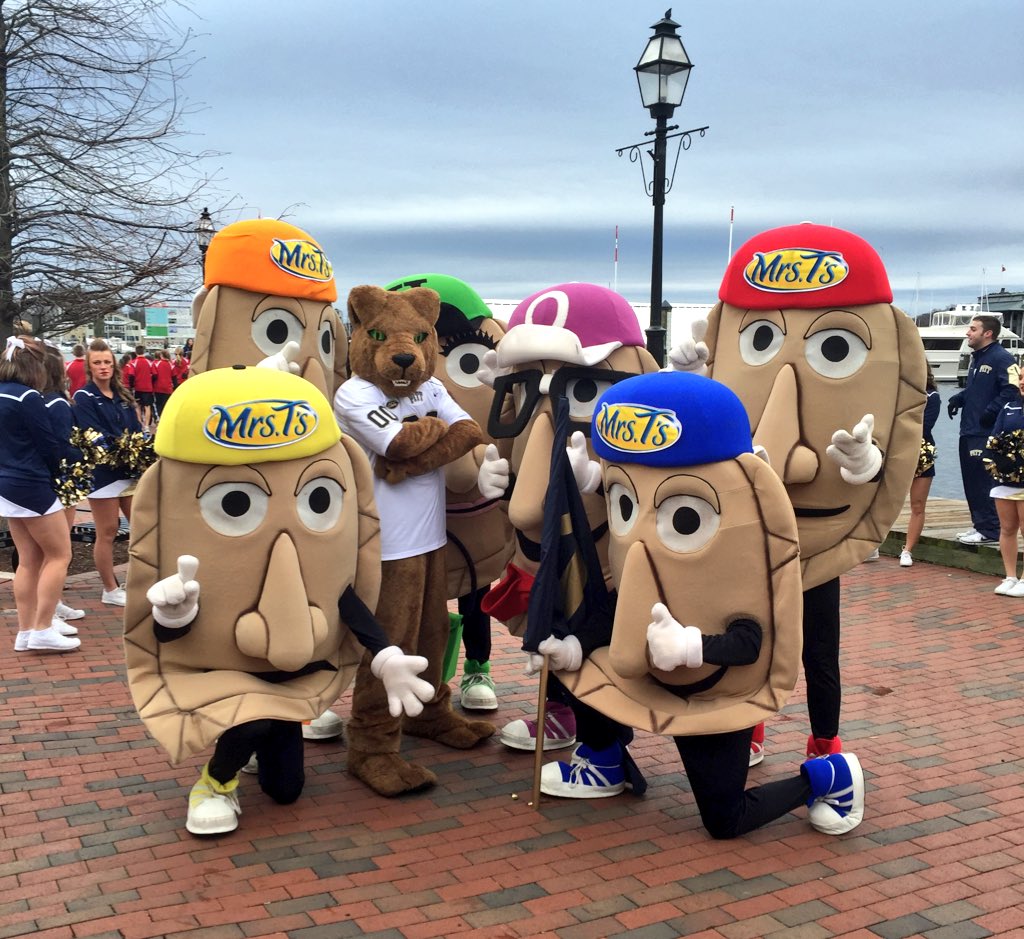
(91, 814)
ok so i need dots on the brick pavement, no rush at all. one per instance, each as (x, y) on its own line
(91, 814)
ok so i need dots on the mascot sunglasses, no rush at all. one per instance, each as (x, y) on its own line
(516, 396)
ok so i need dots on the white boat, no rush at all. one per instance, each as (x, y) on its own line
(945, 340)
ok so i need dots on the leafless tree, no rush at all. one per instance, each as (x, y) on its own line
(99, 193)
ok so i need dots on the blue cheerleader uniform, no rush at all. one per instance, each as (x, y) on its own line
(111, 417)
(29, 456)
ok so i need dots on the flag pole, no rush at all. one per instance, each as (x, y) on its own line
(732, 215)
(538, 755)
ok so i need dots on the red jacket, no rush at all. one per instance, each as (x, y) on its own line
(163, 372)
(142, 369)
(76, 375)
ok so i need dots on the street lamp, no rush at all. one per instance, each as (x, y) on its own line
(662, 74)
(204, 234)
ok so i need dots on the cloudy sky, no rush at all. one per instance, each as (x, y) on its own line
(478, 138)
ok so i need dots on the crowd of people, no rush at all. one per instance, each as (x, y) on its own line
(49, 412)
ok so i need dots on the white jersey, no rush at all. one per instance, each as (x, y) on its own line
(412, 512)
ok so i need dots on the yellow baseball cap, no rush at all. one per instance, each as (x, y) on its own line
(265, 255)
(232, 416)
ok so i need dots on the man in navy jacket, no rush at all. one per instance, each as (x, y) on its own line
(988, 388)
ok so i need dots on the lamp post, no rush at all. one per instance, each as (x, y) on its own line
(662, 74)
(204, 234)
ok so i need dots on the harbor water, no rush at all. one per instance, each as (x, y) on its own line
(947, 483)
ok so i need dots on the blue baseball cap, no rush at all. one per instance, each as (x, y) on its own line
(670, 419)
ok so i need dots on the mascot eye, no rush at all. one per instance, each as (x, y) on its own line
(273, 328)
(233, 509)
(464, 361)
(326, 340)
(583, 394)
(623, 509)
(686, 523)
(376, 335)
(320, 502)
(835, 353)
(760, 342)
(420, 337)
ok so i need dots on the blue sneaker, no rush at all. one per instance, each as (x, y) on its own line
(592, 774)
(837, 792)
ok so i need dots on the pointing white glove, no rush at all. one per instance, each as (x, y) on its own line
(283, 361)
(493, 476)
(175, 599)
(584, 469)
(858, 458)
(406, 693)
(488, 368)
(566, 655)
(691, 355)
(673, 645)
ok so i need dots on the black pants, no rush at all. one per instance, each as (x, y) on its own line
(977, 485)
(821, 658)
(278, 748)
(476, 626)
(716, 767)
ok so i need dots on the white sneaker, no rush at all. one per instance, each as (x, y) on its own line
(49, 640)
(65, 629)
(66, 612)
(476, 692)
(976, 537)
(114, 597)
(1017, 590)
(1006, 586)
(905, 559)
(964, 534)
(325, 727)
(873, 556)
(21, 640)
(212, 807)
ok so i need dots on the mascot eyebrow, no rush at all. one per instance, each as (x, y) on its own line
(454, 340)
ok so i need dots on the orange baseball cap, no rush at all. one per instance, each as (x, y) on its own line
(271, 257)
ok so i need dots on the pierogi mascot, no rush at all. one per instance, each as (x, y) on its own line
(411, 429)
(254, 562)
(480, 537)
(267, 296)
(690, 505)
(833, 379)
(573, 340)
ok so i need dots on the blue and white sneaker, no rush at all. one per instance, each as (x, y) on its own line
(592, 774)
(837, 792)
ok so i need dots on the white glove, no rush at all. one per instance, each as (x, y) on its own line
(584, 469)
(283, 361)
(488, 368)
(673, 645)
(858, 458)
(691, 355)
(175, 599)
(493, 476)
(406, 693)
(566, 655)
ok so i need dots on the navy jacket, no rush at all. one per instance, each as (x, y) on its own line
(932, 406)
(30, 452)
(111, 417)
(987, 390)
(1010, 418)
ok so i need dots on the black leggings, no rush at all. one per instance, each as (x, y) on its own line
(278, 748)
(716, 766)
(476, 626)
(821, 658)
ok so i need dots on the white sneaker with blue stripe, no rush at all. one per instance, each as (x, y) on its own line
(592, 774)
(837, 792)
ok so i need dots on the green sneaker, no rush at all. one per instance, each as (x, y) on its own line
(476, 690)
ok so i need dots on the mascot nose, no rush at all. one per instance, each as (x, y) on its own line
(283, 629)
(526, 507)
(403, 359)
(779, 431)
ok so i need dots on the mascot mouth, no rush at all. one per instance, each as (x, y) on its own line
(695, 687)
(401, 382)
(819, 512)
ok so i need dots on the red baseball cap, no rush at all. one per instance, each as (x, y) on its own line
(805, 266)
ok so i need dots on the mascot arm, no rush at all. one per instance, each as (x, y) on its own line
(858, 457)
(586, 471)
(566, 655)
(739, 645)
(461, 475)
(691, 354)
(462, 437)
(416, 437)
(406, 693)
(175, 600)
(671, 644)
(494, 479)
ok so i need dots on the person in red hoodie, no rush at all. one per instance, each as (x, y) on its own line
(163, 382)
(142, 384)
(76, 369)
(179, 367)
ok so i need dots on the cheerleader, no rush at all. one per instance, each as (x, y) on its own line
(29, 461)
(1008, 494)
(106, 406)
(922, 483)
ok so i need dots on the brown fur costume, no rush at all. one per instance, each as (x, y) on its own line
(393, 348)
